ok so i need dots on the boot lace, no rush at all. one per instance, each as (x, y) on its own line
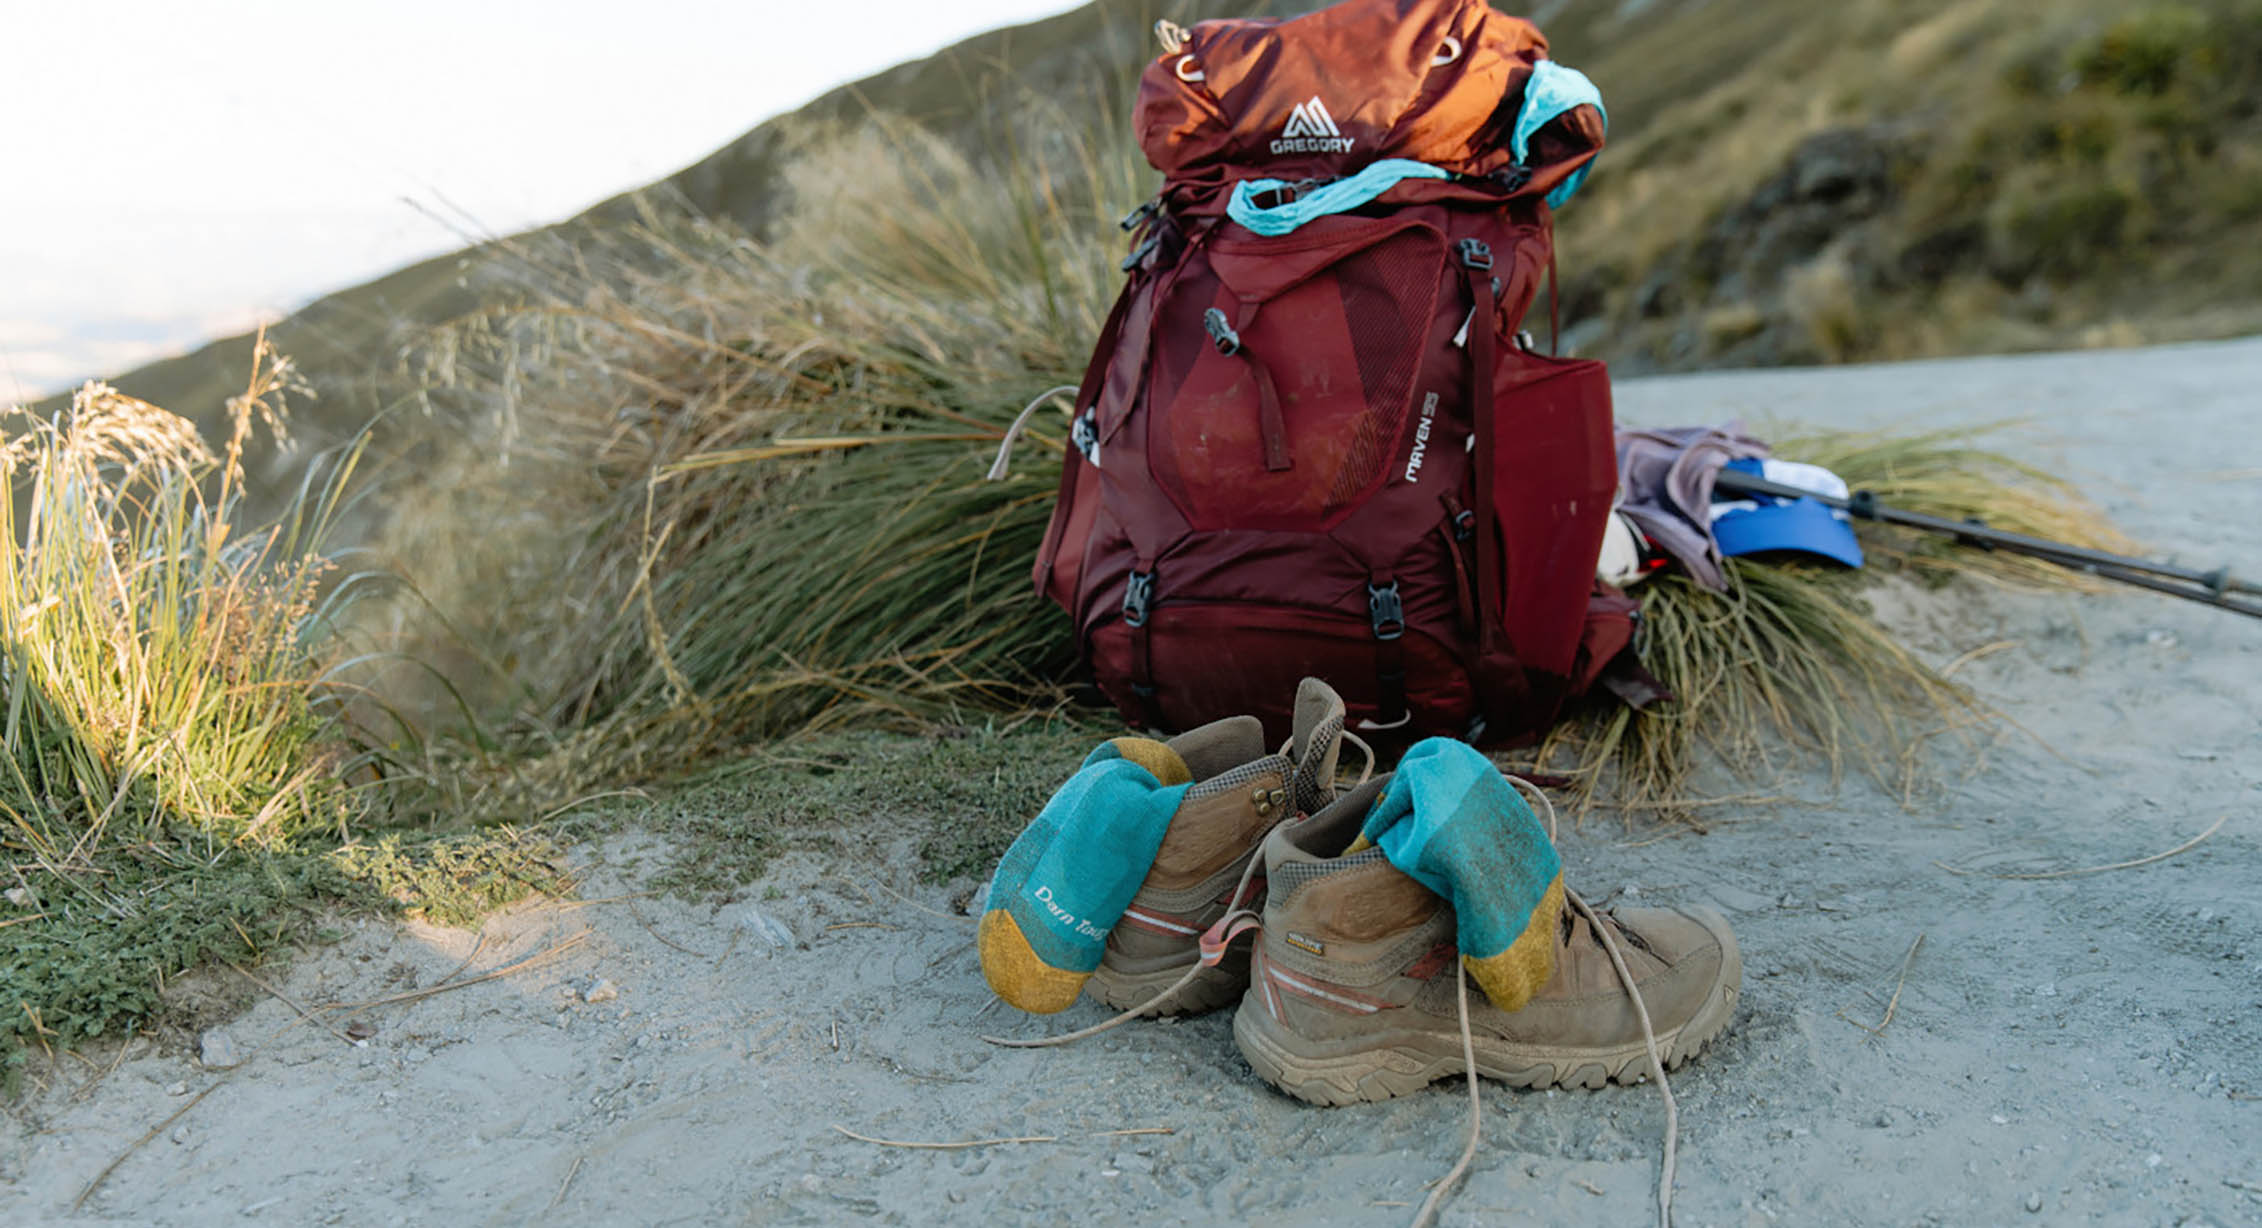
(1241, 920)
(1602, 931)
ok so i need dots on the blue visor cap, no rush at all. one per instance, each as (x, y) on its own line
(1802, 524)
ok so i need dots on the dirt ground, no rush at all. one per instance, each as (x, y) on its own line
(2069, 1050)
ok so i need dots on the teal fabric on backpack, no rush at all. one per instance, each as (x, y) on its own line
(1068, 877)
(1552, 90)
(1454, 824)
(1337, 197)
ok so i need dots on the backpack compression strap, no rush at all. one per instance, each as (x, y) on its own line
(1501, 686)
(1087, 398)
(1337, 197)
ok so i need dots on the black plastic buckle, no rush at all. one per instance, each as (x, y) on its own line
(1464, 525)
(1139, 254)
(1285, 194)
(1138, 591)
(1476, 253)
(1863, 503)
(1134, 219)
(1228, 342)
(1386, 611)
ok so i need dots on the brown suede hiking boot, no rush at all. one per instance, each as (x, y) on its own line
(1240, 792)
(1353, 995)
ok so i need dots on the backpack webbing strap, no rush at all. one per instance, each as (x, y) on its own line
(1138, 604)
(1500, 685)
(1087, 399)
(1554, 305)
(1460, 530)
(1476, 270)
(1387, 614)
(1271, 425)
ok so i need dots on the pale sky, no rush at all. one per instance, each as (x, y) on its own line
(172, 170)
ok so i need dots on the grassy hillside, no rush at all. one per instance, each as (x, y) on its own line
(1786, 183)
(704, 469)
(349, 344)
(1899, 178)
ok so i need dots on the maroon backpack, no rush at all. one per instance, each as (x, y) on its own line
(1311, 439)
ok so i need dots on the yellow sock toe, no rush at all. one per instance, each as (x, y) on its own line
(1163, 762)
(1016, 974)
(1511, 977)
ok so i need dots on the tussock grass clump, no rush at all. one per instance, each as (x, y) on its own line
(157, 654)
(168, 742)
(1791, 659)
(178, 783)
(773, 520)
(773, 517)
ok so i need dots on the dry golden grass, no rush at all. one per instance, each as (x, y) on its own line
(730, 490)
(744, 492)
(156, 649)
(1790, 659)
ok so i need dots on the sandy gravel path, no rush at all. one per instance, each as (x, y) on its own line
(2064, 1051)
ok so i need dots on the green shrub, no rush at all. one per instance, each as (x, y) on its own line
(157, 655)
(2145, 53)
(168, 744)
(455, 880)
(2064, 232)
(92, 958)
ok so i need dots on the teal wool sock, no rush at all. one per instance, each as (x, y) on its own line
(1454, 824)
(1068, 877)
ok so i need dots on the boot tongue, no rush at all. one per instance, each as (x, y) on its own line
(1220, 746)
(1334, 829)
(1317, 742)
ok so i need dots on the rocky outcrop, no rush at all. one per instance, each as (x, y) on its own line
(1731, 294)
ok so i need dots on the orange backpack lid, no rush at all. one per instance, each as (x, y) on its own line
(1323, 95)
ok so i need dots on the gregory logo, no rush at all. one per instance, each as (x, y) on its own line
(1421, 437)
(1310, 129)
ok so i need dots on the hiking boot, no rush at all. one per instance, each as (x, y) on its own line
(1240, 792)
(1354, 996)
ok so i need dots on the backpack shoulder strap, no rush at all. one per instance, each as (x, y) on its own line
(1072, 459)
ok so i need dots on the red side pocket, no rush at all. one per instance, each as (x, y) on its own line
(1553, 471)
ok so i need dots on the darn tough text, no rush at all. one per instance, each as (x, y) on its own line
(1067, 918)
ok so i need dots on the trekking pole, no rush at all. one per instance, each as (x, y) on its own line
(2213, 588)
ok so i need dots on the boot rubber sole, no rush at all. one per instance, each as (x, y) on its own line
(1124, 988)
(1399, 1062)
